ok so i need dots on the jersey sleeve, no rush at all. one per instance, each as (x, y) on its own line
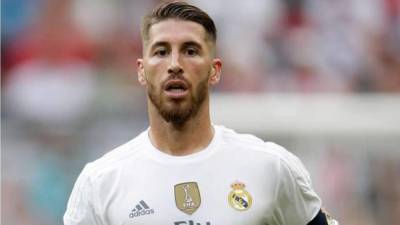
(80, 210)
(296, 203)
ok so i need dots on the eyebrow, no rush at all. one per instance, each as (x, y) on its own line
(158, 44)
(192, 44)
(185, 44)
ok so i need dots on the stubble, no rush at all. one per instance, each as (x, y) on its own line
(179, 112)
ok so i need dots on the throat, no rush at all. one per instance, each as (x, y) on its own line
(181, 140)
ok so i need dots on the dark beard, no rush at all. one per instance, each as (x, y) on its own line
(179, 114)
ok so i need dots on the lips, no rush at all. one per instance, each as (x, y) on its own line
(176, 88)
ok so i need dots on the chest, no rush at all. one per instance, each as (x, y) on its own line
(198, 194)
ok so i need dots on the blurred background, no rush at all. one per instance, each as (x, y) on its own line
(321, 78)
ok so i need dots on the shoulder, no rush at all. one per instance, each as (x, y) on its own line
(115, 158)
(98, 177)
(251, 145)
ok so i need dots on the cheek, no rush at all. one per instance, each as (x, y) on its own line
(154, 61)
(199, 68)
(154, 69)
(152, 66)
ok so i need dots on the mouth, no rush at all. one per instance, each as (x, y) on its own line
(176, 89)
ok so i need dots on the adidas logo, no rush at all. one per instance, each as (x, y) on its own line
(141, 209)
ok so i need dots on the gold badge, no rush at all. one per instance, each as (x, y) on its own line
(187, 197)
(239, 198)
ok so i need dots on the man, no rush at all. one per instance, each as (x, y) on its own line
(183, 170)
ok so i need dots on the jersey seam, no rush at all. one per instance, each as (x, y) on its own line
(296, 177)
(96, 172)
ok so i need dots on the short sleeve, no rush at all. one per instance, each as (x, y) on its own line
(296, 203)
(80, 209)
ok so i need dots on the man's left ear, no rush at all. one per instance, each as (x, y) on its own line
(215, 71)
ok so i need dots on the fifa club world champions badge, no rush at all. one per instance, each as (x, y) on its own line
(239, 198)
(187, 197)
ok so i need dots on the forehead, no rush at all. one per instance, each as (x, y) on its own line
(178, 31)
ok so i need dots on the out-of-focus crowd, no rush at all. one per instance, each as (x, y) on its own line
(69, 89)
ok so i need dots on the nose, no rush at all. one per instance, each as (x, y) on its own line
(174, 67)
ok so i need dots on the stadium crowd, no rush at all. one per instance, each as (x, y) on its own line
(70, 92)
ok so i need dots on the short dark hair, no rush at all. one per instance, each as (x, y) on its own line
(182, 11)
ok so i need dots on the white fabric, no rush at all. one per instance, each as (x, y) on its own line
(109, 188)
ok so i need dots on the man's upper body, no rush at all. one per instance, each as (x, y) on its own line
(183, 170)
(237, 179)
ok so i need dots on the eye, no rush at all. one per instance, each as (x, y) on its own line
(192, 51)
(160, 52)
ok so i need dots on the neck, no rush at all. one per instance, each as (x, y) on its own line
(192, 136)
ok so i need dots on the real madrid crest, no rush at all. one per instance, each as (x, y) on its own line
(187, 197)
(239, 198)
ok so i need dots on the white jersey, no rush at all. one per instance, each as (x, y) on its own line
(238, 179)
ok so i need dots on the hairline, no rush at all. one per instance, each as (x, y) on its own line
(146, 33)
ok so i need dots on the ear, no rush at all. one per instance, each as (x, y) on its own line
(215, 71)
(140, 71)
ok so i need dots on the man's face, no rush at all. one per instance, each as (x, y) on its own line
(177, 68)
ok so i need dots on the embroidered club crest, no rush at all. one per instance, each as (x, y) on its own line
(239, 198)
(187, 197)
